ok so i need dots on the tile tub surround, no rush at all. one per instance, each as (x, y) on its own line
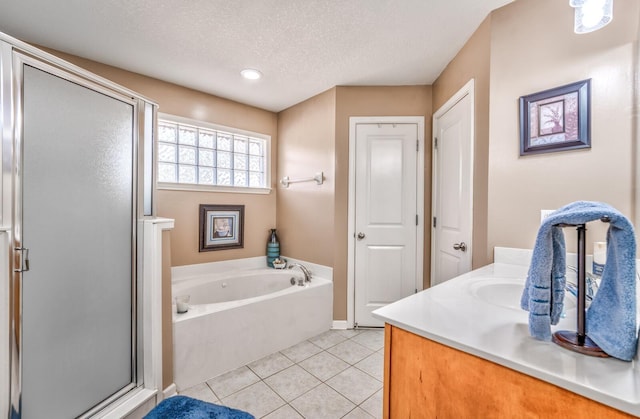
(211, 339)
(452, 313)
(337, 374)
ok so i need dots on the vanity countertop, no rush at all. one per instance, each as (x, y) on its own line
(479, 313)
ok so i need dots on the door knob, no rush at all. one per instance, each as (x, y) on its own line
(460, 246)
(360, 236)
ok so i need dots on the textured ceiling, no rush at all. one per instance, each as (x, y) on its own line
(303, 47)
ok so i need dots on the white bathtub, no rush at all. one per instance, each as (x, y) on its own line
(237, 316)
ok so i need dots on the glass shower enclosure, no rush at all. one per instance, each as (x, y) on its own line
(73, 189)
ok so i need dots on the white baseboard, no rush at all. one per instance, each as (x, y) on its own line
(171, 390)
(339, 324)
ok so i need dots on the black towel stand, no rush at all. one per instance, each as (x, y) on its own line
(579, 341)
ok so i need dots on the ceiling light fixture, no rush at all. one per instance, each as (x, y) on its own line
(251, 74)
(591, 15)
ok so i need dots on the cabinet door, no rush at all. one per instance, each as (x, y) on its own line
(425, 379)
(76, 195)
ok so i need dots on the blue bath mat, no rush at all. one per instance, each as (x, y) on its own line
(183, 407)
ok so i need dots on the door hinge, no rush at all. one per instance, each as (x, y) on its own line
(417, 145)
(416, 219)
(434, 222)
(416, 291)
(435, 143)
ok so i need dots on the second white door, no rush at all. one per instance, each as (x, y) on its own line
(385, 216)
(452, 187)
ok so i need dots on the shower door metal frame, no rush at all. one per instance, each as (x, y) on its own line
(13, 56)
(6, 134)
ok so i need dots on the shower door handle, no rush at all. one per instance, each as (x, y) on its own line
(24, 259)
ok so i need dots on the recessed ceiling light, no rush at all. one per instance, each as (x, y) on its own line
(251, 74)
(591, 15)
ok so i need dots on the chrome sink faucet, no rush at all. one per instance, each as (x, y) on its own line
(304, 269)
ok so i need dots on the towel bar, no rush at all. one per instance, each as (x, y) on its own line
(579, 341)
(318, 178)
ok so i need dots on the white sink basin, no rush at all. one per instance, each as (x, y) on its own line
(504, 293)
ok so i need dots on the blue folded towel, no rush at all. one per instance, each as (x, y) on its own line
(611, 318)
(183, 407)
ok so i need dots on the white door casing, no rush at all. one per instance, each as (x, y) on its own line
(452, 193)
(385, 214)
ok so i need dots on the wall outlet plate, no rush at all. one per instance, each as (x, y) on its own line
(544, 214)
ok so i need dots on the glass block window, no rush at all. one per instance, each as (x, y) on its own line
(202, 154)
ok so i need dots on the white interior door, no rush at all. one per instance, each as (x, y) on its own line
(452, 188)
(385, 219)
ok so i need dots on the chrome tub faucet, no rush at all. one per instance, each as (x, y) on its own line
(305, 271)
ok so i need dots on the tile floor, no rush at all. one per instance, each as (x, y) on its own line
(337, 374)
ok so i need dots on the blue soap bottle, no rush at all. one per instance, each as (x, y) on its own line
(273, 248)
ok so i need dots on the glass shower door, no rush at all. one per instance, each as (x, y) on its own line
(77, 344)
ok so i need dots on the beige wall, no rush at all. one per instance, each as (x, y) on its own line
(523, 48)
(260, 210)
(314, 136)
(167, 315)
(533, 48)
(371, 101)
(305, 210)
(472, 62)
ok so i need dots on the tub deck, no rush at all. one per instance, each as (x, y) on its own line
(212, 339)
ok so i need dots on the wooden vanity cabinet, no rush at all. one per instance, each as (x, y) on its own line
(425, 379)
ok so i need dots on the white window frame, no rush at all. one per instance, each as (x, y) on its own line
(219, 188)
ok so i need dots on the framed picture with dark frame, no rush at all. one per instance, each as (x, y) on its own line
(221, 227)
(556, 119)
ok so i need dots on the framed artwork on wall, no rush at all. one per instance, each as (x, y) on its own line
(557, 119)
(221, 227)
